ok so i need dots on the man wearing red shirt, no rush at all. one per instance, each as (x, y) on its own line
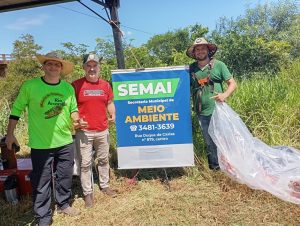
(96, 107)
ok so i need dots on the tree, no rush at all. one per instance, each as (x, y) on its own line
(106, 49)
(292, 36)
(161, 46)
(141, 58)
(74, 53)
(197, 31)
(24, 52)
(267, 20)
(25, 47)
(164, 45)
(255, 42)
(23, 66)
(245, 55)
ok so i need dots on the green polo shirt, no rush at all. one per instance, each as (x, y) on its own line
(219, 73)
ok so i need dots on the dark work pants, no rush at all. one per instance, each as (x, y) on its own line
(211, 148)
(41, 179)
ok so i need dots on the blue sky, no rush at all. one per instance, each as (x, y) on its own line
(140, 20)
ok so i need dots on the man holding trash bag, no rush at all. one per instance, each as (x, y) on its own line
(207, 77)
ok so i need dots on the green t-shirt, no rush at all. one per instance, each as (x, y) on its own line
(49, 107)
(219, 73)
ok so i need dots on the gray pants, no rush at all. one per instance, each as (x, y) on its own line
(86, 141)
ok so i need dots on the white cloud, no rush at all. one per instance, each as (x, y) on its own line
(26, 23)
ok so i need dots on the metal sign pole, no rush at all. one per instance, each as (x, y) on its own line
(166, 180)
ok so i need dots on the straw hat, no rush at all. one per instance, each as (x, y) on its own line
(212, 48)
(67, 66)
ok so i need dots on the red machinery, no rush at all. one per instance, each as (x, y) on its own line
(13, 166)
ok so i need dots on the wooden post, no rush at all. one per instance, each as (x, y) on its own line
(117, 34)
(3, 64)
(113, 6)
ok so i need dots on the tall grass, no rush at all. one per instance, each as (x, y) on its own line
(270, 107)
(4, 114)
(21, 129)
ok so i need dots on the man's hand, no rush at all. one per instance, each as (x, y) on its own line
(10, 139)
(220, 97)
(111, 110)
(112, 118)
(80, 124)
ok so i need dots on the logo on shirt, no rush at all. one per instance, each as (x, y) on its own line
(55, 102)
(93, 93)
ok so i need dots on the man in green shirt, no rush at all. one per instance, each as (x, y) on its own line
(52, 108)
(207, 77)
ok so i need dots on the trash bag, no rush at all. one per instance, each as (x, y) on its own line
(250, 161)
(76, 166)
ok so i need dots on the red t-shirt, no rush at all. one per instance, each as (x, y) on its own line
(92, 99)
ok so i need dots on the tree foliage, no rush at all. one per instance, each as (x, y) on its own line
(24, 52)
(106, 49)
(291, 35)
(164, 45)
(257, 42)
(246, 56)
(141, 58)
(23, 66)
(262, 40)
(74, 53)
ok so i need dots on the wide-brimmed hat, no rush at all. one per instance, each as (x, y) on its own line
(67, 66)
(212, 48)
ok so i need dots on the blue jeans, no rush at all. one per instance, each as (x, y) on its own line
(211, 148)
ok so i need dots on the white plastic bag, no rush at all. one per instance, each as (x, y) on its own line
(248, 160)
(76, 167)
